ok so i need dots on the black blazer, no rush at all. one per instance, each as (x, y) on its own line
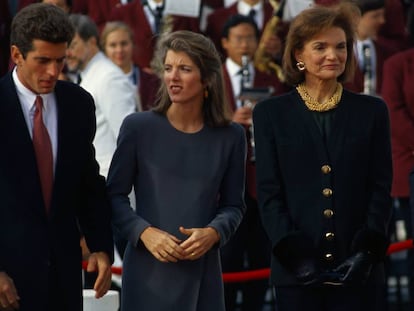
(317, 200)
(34, 247)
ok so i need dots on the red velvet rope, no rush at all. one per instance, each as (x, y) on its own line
(260, 274)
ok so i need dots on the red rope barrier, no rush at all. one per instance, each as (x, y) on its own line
(400, 246)
(260, 274)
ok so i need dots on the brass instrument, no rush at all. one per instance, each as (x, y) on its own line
(247, 84)
(262, 60)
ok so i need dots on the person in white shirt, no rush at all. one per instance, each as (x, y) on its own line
(114, 95)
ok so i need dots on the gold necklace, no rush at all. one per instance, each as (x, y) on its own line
(314, 105)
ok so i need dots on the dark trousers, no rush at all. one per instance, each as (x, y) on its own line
(248, 249)
(363, 298)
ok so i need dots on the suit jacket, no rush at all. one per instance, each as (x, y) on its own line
(37, 247)
(398, 93)
(320, 201)
(134, 16)
(148, 87)
(260, 80)
(383, 52)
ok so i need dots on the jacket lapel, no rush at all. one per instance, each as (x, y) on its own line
(17, 138)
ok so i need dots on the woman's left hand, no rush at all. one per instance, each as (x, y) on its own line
(199, 241)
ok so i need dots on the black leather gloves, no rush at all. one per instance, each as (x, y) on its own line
(306, 272)
(356, 268)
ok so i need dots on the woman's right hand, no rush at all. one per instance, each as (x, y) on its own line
(162, 245)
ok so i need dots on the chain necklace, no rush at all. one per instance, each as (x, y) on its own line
(314, 105)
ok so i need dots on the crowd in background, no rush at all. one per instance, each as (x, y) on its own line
(111, 57)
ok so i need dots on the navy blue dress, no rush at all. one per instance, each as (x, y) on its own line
(180, 179)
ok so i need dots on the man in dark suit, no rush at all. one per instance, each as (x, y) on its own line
(240, 39)
(41, 217)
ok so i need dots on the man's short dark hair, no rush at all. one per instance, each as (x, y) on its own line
(236, 20)
(369, 5)
(40, 21)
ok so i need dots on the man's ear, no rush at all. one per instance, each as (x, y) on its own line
(15, 55)
(224, 43)
(93, 42)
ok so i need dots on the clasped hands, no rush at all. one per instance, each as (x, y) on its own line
(354, 270)
(168, 248)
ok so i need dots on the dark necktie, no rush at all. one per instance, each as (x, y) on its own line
(158, 18)
(43, 150)
(78, 78)
(252, 15)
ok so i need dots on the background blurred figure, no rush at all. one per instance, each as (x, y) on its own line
(185, 160)
(65, 5)
(398, 92)
(147, 21)
(115, 97)
(261, 11)
(249, 248)
(393, 32)
(369, 52)
(117, 43)
(51, 187)
(324, 179)
(5, 21)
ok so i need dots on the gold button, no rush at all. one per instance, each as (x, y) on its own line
(326, 169)
(329, 236)
(328, 213)
(329, 257)
(327, 192)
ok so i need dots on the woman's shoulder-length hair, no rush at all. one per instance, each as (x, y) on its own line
(203, 53)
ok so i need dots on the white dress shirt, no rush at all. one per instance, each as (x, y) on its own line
(244, 9)
(360, 56)
(27, 101)
(233, 70)
(148, 10)
(115, 98)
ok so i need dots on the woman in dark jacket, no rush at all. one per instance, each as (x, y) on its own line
(324, 172)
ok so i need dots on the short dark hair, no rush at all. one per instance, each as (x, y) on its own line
(203, 53)
(40, 21)
(236, 20)
(369, 5)
(309, 23)
(85, 27)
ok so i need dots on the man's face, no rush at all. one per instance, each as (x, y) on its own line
(40, 70)
(241, 41)
(79, 53)
(370, 23)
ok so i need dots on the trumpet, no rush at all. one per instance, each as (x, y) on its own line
(262, 60)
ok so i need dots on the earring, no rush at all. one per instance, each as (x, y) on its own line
(301, 66)
(205, 93)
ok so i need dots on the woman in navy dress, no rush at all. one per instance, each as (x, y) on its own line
(185, 160)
